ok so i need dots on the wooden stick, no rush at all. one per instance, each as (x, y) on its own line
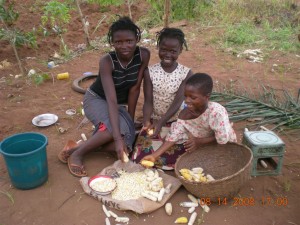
(167, 13)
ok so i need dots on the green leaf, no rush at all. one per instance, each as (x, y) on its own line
(8, 15)
(57, 13)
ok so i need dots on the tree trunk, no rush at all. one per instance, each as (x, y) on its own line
(129, 3)
(17, 57)
(167, 12)
(85, 29)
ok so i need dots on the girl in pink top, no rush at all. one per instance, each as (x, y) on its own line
(201, 122)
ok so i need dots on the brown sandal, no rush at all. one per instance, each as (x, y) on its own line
(64, 154)
(72, 166)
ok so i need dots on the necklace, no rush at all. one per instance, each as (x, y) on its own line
(124, 67)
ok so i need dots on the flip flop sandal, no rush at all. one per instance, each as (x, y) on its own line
(64, 155)
(83, 173)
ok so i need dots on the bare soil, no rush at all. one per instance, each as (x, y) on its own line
(61, 200)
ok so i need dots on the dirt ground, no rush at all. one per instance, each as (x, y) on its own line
(61, 200)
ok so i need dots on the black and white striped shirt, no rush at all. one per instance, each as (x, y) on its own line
(123, 77)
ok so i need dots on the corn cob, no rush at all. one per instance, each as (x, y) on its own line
(168, 208)
(113, 214)
(107, 222)
(181, 220)
(188, 204)
(192, 218)
(161, 194)
(147, 163)
(192, 209)
(122, 219)
(125, 157)
(105, 211)
(204, 206)
(192, 198)
(152, 198)
(168, 188)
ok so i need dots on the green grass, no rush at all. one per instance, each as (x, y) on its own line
(246, 35)
(238, 24)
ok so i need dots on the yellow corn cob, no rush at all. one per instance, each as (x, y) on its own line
(187, 176)
(181, 220)
(125, 157)
(147, 163)
(203, 179)
(150, 131)
(184, 170)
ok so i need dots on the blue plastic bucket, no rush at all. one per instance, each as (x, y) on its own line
(26, 159)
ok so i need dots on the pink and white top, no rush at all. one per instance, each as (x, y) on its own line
(214, 121)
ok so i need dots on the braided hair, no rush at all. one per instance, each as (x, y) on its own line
(123, 23)
(202, 81)
(171, 33)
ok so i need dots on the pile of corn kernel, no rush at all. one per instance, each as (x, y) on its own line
(103, 185)
(129, 186)
(133, 185)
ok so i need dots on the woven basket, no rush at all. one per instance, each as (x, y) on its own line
(229, 164)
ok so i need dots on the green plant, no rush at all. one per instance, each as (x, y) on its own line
(39, 78)
(240, 34)
(107, 2)
(179, 10)
(57, 15)
(13, 35)
(266, 24)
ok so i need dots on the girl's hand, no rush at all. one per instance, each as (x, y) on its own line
(192, 143)
(147, 125)
(157, 129)
(121, 149)
(149, 158)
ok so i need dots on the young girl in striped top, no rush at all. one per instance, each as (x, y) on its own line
(118, 84)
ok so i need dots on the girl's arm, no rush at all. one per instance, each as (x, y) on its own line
(193, 143)
(134, 91)
(148, 99)
(174, 107)
(155, 155)
(111, 98)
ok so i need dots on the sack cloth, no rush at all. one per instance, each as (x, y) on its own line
(140, 205)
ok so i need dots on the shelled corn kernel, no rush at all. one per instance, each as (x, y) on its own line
(103, 185)
(130, 186)
(138, 184)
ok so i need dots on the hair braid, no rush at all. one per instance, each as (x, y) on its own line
(171, 33)
(123, 23)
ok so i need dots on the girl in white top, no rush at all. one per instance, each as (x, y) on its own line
(163, 92)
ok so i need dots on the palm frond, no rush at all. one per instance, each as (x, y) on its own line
(266, 108)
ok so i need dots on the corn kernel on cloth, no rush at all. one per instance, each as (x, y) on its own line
(140, 205)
